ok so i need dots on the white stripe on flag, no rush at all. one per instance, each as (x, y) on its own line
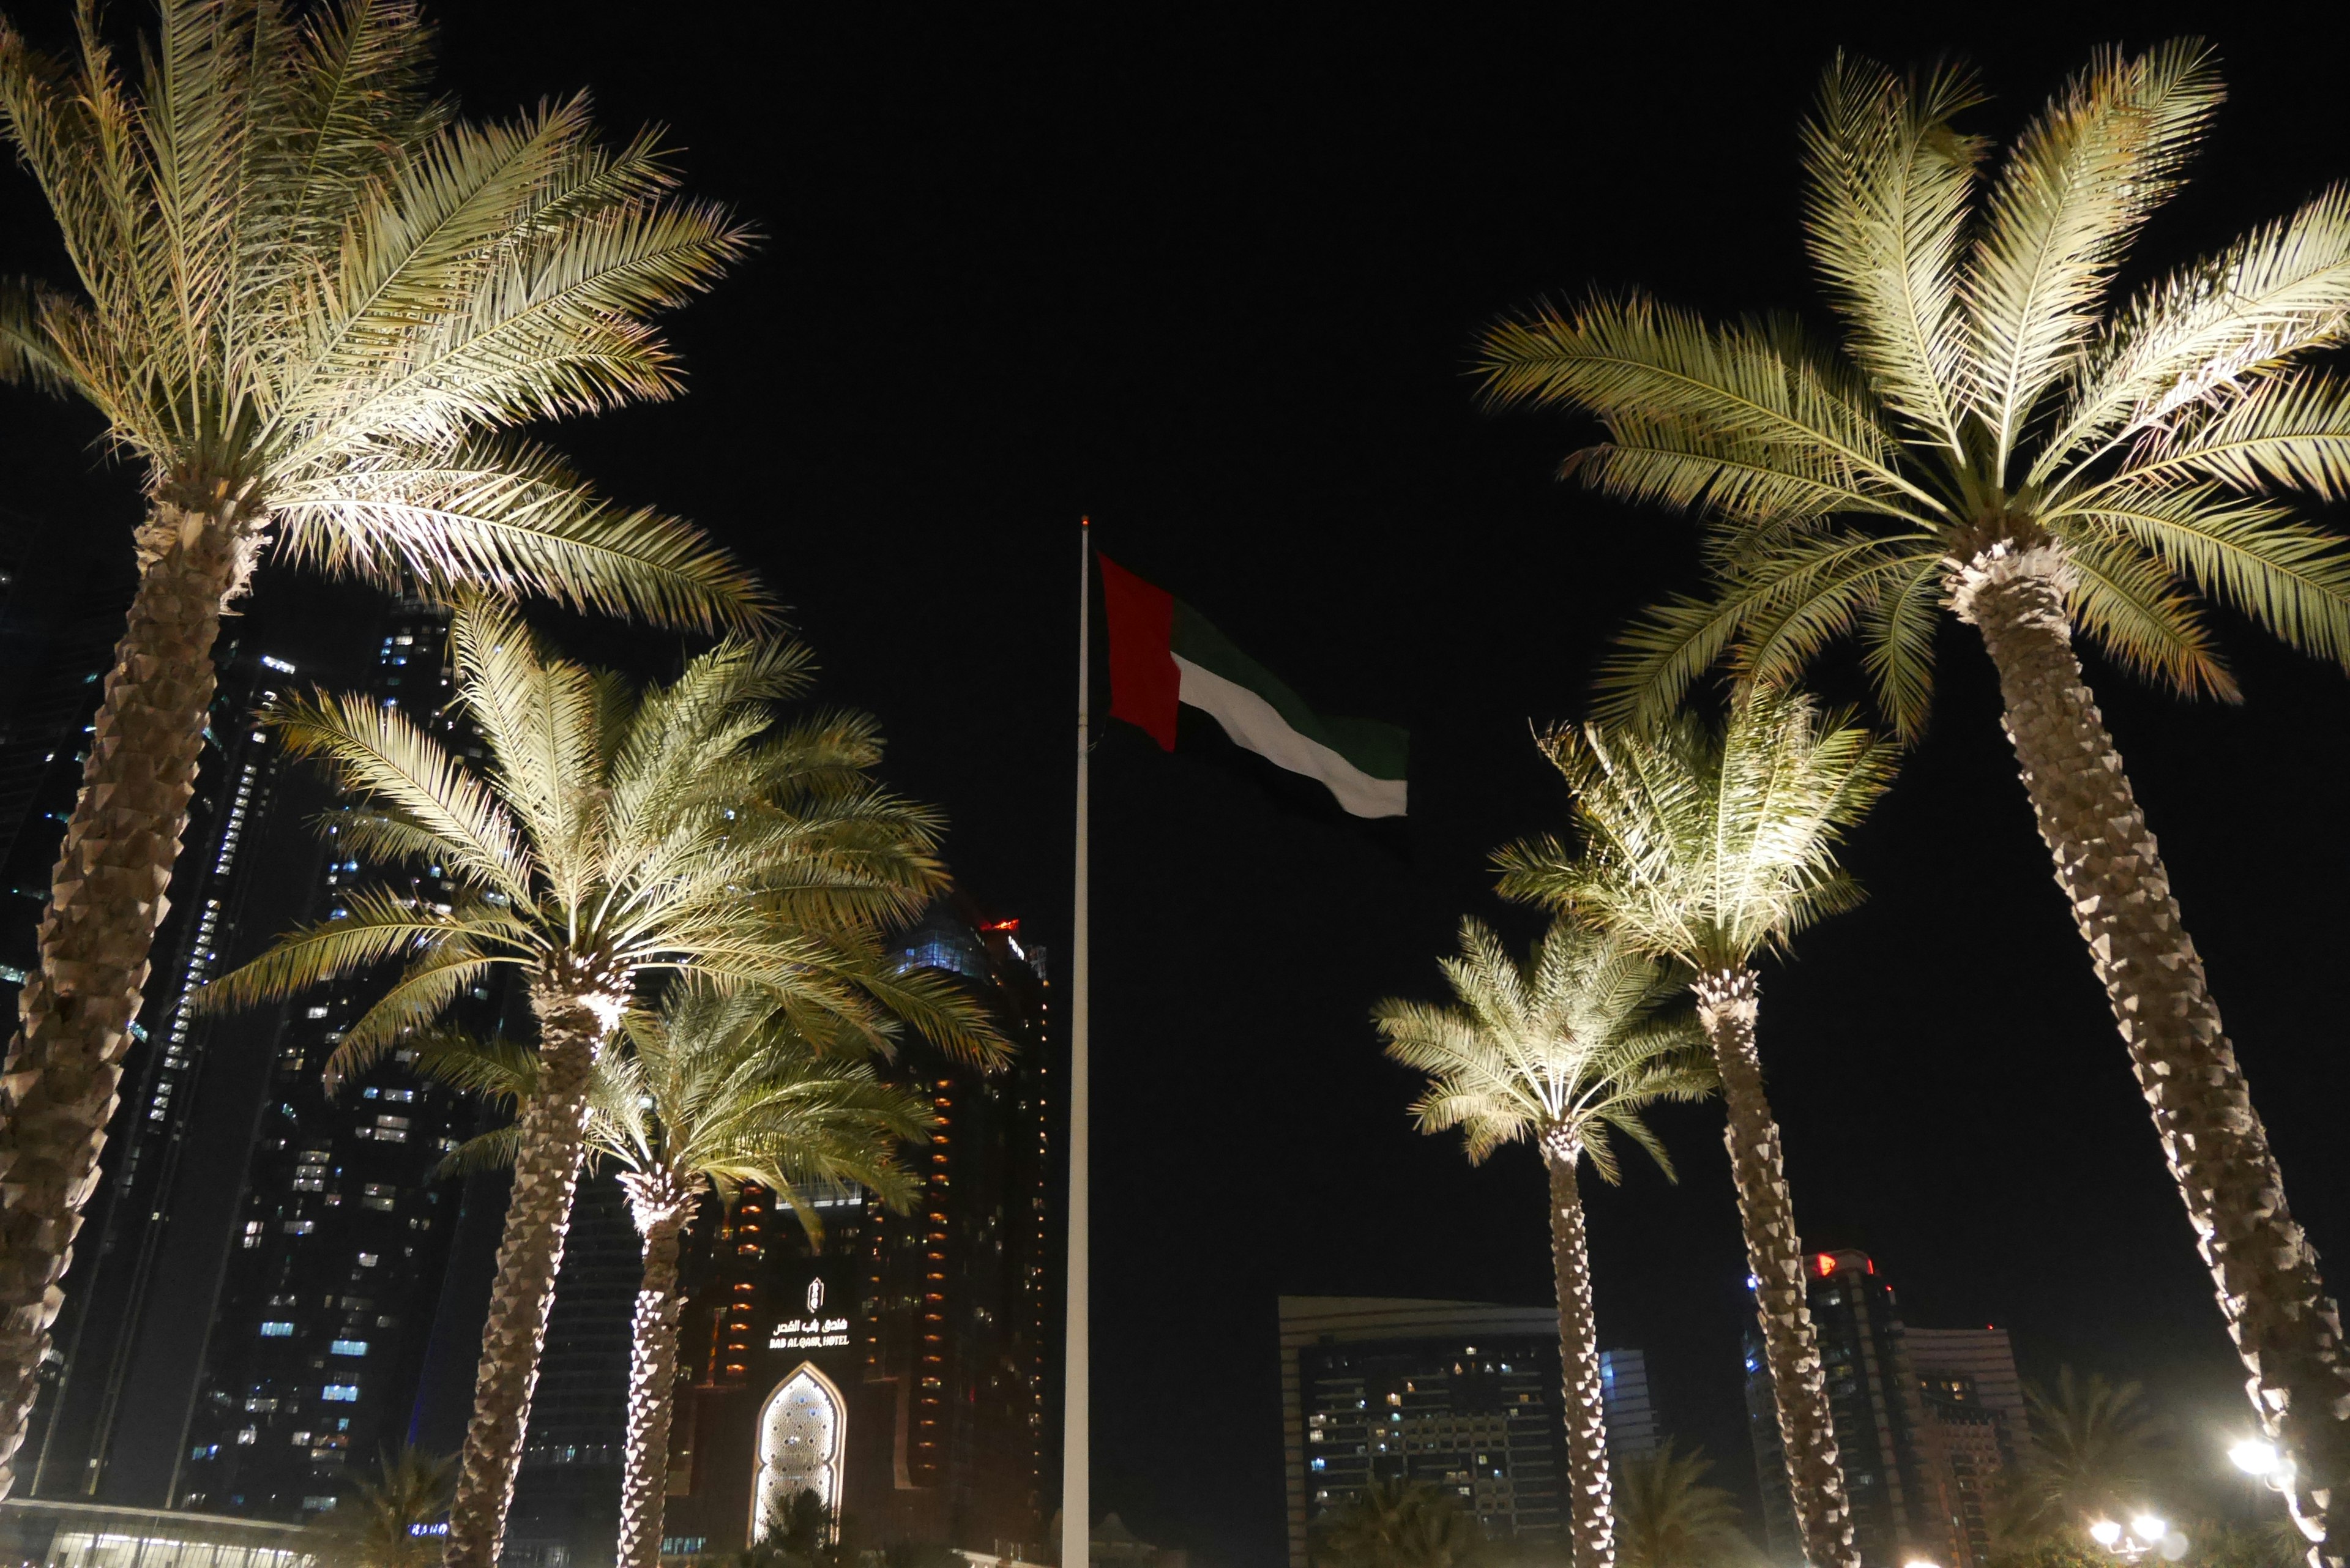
(1254, 723)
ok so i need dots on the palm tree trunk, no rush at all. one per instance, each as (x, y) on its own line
(1727, 1001)
(660, 1203)
(2286, 1327)
(106, 898)
(530, 1253)
(1593, 1514)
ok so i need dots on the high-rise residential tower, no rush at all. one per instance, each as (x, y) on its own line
(342, 1229)
(1465, 1395)
(1925, 1419)
(122, 1370)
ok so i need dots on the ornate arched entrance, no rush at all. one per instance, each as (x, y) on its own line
(801, 1427)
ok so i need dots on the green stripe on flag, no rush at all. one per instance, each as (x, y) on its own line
(1380, 750)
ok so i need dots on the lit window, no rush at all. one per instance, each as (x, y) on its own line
(341, 1393)
(277, 1331)
(368, 1260)
(347, 1348)
(318, 1012)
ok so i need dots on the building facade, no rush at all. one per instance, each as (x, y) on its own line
(1465, 1395)
(343, 1225)
(122, 1370)
(902, 1368)
(1925, 1419)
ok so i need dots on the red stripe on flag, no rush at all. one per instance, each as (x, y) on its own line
(1143, 682)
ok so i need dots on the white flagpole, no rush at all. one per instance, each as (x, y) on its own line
(1076, 1399)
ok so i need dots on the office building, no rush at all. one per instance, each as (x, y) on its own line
(904, 1370)
(1925, 1419)
(1465, 1395)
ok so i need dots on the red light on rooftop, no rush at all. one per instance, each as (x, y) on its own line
(1000, 926)
(1824, 1264)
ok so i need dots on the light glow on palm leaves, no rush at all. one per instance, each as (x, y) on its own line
(714, 1089)
(1707, 844)
(1566, 1049)
(1986, 393)
(616, 834)
(313, 302)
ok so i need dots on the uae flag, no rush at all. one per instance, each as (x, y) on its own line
(1162, 652)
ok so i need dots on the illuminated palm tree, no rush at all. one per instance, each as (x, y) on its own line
(1667, 1517)
(715, 1090)
(309, 306)
(1710, 847)
(614, 835)
(1998, 437)
(1559, 1051)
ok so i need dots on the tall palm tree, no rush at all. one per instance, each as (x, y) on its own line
(614, 835)
(306, 302)
(1560, 1051)
(1667, 1517)
(715, 1090)
(1998, 436)
(1711, 848)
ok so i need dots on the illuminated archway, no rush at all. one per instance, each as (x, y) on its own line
(801, 1427)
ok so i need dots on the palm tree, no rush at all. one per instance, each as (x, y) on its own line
(713, 1091)
(1998, 438)
(614, 835)
(1666, 1517)
(1708, 848)
(1400, 1524)
(2096, 1450)
(1559, 1051)
(307, 303)
(399, 1520)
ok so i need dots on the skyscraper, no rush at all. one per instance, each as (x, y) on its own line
(1925, 1418)
(1465, 1395)
(122, 1372)
(320, 1331)
(902, 1371)
(1632, 1430)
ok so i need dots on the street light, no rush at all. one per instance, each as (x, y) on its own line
(2147, 1533)
(2259, 1458)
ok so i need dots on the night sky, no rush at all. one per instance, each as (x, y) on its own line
(1212, 276)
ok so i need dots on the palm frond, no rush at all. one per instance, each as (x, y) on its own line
(2289, 433)
(2074, 191)
(1562, 1044)
(1702, 845)
(380, 752)
(2135, 608)
(27, 354)
(1756, 384)
(1888, 187)
(2291, 577)
(2205, 333)
(511, 521)
(371, 926)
